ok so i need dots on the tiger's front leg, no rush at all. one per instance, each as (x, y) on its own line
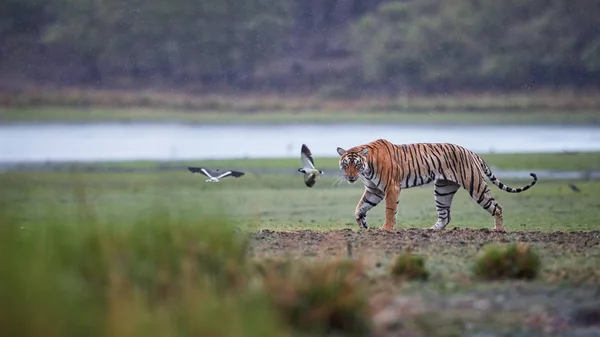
(369, 199)
(392, 194)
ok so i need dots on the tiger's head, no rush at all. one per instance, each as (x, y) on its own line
(353, 163)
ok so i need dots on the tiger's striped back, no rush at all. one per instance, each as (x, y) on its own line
(422, 163)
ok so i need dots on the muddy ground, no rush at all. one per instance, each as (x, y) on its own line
(564, 301)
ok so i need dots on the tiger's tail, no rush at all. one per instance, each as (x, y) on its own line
(497, 182)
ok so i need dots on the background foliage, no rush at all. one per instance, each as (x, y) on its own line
(339, 46)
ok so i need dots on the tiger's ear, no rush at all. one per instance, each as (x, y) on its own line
(341, 151)
(365, 151)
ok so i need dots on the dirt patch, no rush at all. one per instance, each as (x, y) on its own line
(311, 243)
(564, 301)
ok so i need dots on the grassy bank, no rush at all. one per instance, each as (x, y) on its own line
(261, 199)
(532, 161)
(283, 202)
(531, 100)
(309, 115)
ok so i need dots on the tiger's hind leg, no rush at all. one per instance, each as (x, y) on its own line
(444, 192)
(487, 202)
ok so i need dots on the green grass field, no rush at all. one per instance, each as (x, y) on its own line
(281, 201)
(431, 116)
(154, 253)
(581, 161)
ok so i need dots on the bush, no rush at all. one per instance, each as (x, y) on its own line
(513, 261)
(156, 277)
(318, 298)
(335, 91)
(409, 267)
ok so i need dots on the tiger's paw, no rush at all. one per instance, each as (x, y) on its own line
(386, 228)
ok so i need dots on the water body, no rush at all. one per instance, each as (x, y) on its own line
(35, 143)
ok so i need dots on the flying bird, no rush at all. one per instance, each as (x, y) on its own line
(574, 188)
(215, 175)
(308, 167)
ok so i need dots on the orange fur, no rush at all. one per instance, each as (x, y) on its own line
(385, 169)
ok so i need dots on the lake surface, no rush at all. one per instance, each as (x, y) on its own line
(23, 143)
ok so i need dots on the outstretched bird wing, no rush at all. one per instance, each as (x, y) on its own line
(201, 170)
(306, 156)
(232, 173)
(310, 179)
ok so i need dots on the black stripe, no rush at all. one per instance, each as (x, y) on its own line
(439, 161)
(390, 155)
(418, 168)
(375, 192)
(371, 169)
(463, 169)
(369, 202)
(488, 203)
(472, 188)
(414, 165)
(457, 166)
(451, 165)
(423, 160)
(443, 194)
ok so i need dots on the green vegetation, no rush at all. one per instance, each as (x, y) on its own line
(164, 253)
(281, 201)
(320, 297)
(517, 261)
(522, 161)
(454, 43)
(331, 48)
(350, 115)
(155, 276)
(163, 275)
(409, 266)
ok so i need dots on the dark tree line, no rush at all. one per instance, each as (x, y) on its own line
(478, 43)
(253, 44)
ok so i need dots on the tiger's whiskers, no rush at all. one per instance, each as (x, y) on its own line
(339, 180)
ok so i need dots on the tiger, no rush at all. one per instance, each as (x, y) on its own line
(386, 168)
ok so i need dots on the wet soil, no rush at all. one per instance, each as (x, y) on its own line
(564, 301)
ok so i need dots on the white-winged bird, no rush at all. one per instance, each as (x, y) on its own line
(215, 175)
(308, 167)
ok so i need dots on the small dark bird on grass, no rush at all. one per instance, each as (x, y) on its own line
(214, 176)
(308, 167)
(574, 188)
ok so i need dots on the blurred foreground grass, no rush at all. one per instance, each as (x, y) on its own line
(159, 275)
